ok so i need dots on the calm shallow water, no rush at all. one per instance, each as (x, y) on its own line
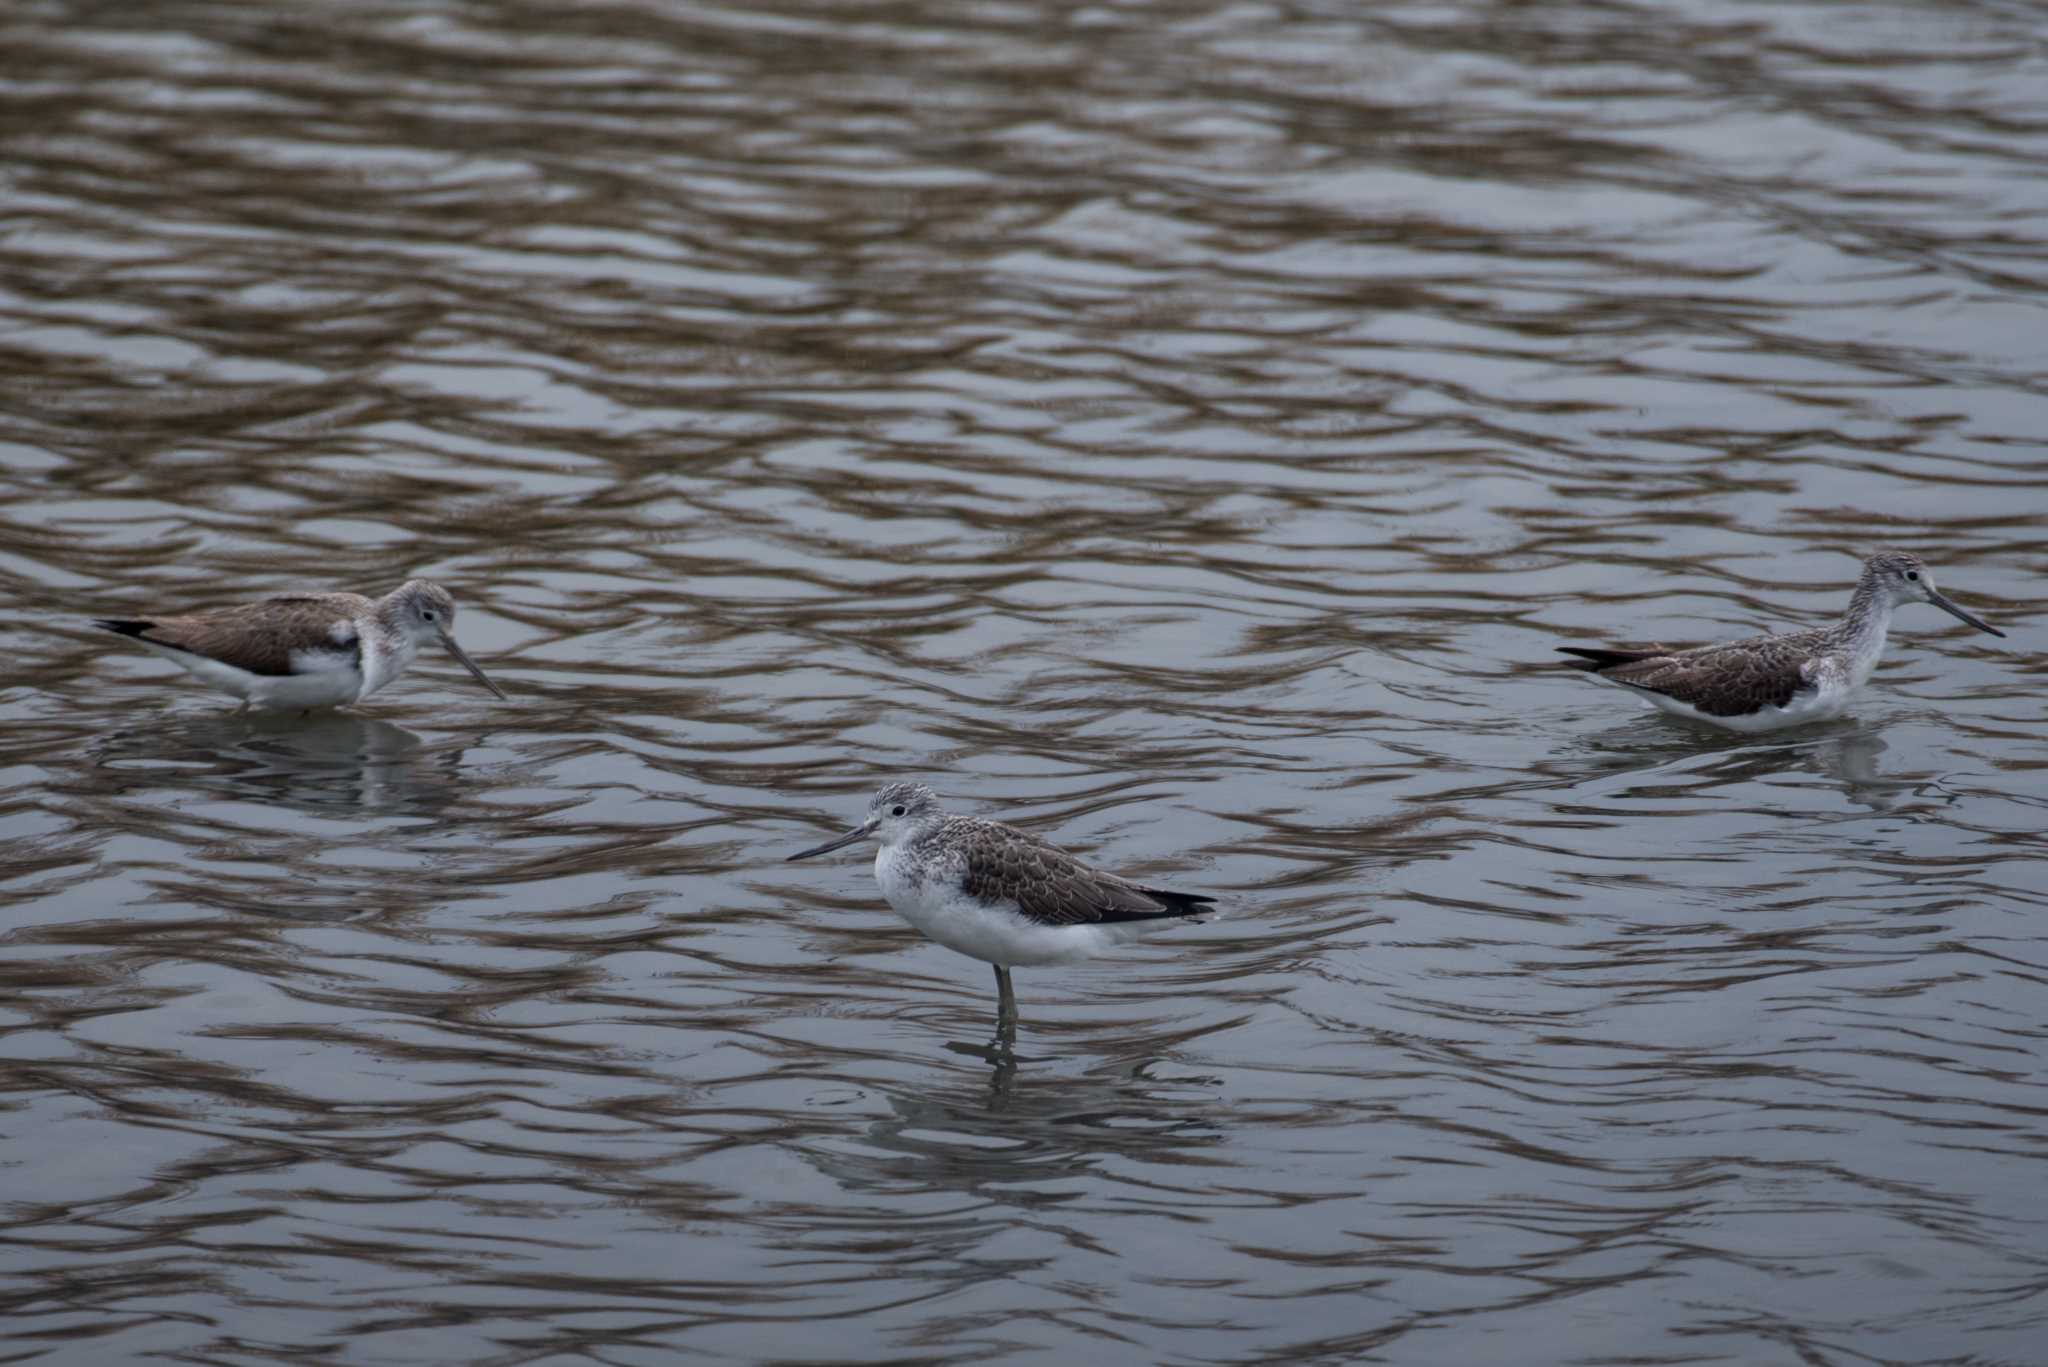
(1185, 429)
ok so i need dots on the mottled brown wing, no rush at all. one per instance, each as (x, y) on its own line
(1053, 888)
(260, 637)
(1722, 681)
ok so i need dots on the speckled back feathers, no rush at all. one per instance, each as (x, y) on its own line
(1000, 864)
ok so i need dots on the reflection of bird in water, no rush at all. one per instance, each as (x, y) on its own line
(999, 894)
(1851, 760)
(1766, 683)
(305, 650)
(325, 761)
(1011, 1138)
(1846, 753)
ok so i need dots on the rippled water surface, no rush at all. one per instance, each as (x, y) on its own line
(1185, 429)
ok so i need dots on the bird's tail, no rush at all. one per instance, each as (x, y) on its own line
(1594, 660)
(122, 626)
(1179, 903)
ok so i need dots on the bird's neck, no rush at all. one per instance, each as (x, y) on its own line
(1861, 632)
(391, 624)
(386, 656)
(912, 836)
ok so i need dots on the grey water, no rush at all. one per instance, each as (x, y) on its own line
(1182, 428)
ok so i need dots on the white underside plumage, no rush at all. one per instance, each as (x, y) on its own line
(993, 933)
(319, 678)
(1818, 704)
(324, 687)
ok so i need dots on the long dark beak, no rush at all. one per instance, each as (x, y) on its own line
(855, 834)
(1950, 608)
(470, 665)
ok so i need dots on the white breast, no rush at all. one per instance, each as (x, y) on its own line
(384, 659)
(1869, 649)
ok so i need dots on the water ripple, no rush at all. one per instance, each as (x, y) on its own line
(1185, 429)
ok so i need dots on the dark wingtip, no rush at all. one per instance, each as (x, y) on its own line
(1593, 660)
(121, 626)
(1180, 903)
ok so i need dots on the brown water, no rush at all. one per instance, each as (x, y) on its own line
(1183, 428)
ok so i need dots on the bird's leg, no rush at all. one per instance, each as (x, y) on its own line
(1006, 1007)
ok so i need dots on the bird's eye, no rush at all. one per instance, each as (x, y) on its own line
(897, 810)
(1913, 575)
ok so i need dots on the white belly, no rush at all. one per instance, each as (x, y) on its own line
(993, 934)
(1819, 704)
(326, 688)
(322, 688)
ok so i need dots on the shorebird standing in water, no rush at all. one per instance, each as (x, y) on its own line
(306, 650)
(995, 893)
(1766, 683)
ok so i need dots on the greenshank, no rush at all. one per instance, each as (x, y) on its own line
(1766, 683)
(305, 650)
(998, 894)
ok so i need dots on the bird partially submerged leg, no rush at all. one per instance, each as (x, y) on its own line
(1002, 1050)
(1006, 1005)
